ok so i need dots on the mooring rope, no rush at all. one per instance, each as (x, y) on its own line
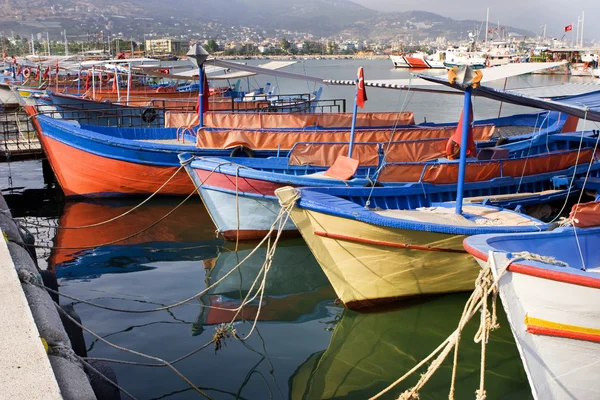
(105, 378)
(222, 332)
(116, 240)
(126, 350)
(113, 218)
(283, 212)
(485, 285)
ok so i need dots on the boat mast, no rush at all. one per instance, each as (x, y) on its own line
(48, 43)
(487, 23)
(582, 18)
(66, 44)
(462, 165)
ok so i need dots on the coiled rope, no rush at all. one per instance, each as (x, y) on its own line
(485, 285)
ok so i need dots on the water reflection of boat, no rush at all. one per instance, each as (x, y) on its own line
(367, 352)
(179, 236)
(294, 286)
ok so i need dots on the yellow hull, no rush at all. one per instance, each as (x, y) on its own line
(364, 268)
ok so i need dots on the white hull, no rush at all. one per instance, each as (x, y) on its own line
(557, 367)
(399, 62)
(256, 215)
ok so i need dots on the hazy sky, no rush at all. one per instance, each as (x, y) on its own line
(525, 14)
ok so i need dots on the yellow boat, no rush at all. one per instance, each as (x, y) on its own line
(374, 256)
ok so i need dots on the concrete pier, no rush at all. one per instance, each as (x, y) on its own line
(25, 370)
(29, 367)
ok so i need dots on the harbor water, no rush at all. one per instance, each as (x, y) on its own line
(305, 345)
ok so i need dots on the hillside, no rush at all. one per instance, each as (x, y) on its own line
(234, 19)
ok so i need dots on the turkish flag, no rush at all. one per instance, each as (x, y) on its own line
(46, 74)
(568, 28)
(457, 137)
(361, 93)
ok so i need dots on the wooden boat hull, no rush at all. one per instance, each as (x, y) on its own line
(242, 217)
(240, 197)
(369, 265)
(553, 310)
(102, 169)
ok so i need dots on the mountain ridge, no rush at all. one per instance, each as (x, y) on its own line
(205, 19)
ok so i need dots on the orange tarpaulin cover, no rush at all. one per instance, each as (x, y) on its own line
(325, 154)
(295, 120)
(415, 151)
(343, 168)
(585, 215)
(482, 171)
(222, 139)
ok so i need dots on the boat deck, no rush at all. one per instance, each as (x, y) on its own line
(511, 196)
(169, 141)
(514, 130)
(472, 216)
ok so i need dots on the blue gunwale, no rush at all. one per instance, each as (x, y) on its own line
(559, 243)
(336, 206)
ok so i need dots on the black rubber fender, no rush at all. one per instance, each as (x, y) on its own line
(102, 389)
(29, 241)
(50, 281)
(74, 332)
(242, 151)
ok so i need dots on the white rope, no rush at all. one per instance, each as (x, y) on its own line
(485, 285)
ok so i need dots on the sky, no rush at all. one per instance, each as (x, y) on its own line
(525, 14)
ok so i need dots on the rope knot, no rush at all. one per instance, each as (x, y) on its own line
(223, 332)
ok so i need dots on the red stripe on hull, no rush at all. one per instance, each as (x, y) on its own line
(80, 173)
(385, 244)
(539, 330)
(415, 62)
(540, 272)
(245, 185)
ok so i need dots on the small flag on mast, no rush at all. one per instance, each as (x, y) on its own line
(361, 93)
(569, 28)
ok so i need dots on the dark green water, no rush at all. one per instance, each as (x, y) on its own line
(305, 346)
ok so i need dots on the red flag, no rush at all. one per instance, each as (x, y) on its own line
(20, 70)
(14, 60)
(37, 72)
(490, 31)
(114, 85)
(569, 28)
(56, 67)
(205, 95)
(87, 81)
(46, 74)
(453, 151)
(361, 93)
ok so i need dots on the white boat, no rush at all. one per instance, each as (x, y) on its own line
(552, 307)
(499, 53)
(419, 60)
(399, 61)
